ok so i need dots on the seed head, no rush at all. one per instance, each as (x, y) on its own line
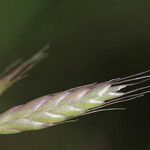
(57, 108)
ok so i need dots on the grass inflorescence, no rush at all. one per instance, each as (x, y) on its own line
(57, 108)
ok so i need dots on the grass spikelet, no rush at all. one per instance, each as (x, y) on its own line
(18, 69)
(57, 108)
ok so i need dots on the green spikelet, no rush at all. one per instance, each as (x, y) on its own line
(57, 108)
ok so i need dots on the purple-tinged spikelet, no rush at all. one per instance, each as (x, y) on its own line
(17, 70)
(57, 108)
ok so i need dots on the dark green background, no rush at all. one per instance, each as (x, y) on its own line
(91, 40)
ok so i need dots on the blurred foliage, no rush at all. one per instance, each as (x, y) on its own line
(90, 41)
